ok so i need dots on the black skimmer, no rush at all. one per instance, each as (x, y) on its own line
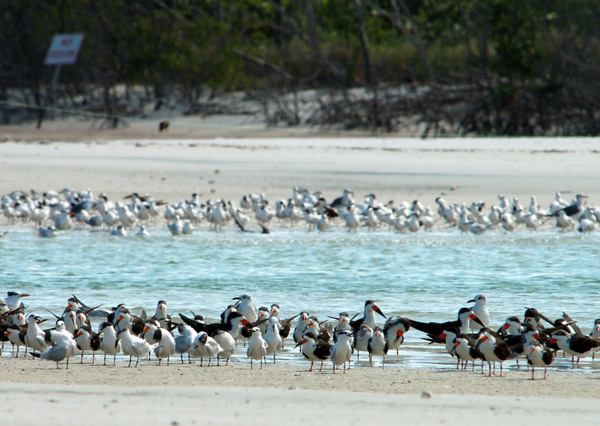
(314, 349)
(87, 340)
(493, 349)
(205, 346)
(394, 329)
(109, 343)
(300, 326)
(341, 350)
(161, 336)
(538, 356)
(434, 329)
(257, 347)
(574, 209)
(16, 335)
(576, 345)
(161, 315)
(464, 349)
(369, 316)
(377, 345)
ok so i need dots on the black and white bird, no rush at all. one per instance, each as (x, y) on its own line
(539, 356)
(314, 349)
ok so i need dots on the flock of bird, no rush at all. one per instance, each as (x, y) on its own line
(468, 338)
(54, 212)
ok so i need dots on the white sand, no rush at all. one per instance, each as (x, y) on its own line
(214, 158)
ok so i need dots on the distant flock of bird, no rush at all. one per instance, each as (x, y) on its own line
(468, 338)
(54, 212)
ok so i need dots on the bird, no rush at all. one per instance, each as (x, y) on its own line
(134, 346)
(185, 340)
(257, 347)
(538, 356)
(205, 346)
(246, 307)
(464, 349)
(377, 345)
(109, 343)
(394, 329)
(434, 329)
(87, 340)
(368, 317)
(314, 349)
(35, 336)
(13, 299)
(227, 344)
(59, 351)
(341, 351)
(492, 349)
(163, 338)
(480, 309)
(576, 345)
(272, 337)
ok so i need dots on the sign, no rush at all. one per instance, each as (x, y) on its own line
(64, 49)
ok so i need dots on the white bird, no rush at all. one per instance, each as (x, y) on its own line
(205, 346)
(134, 346)
(246, 307)
(257, 347)
(34, 338)
(162, 337)
(272, 337)
(480, 309)
(185, 340)
(13, 299)
(59, 351)
(227, 344)
(342, 349)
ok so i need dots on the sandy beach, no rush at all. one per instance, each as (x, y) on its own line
(228, 157)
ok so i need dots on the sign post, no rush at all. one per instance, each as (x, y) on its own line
(63, 51)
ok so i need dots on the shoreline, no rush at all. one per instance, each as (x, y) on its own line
(375, 380)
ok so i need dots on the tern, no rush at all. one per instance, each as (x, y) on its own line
(134, 346)
(205, 346)
(341, 350)
(257, 347)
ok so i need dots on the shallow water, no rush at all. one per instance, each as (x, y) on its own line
(425, 276)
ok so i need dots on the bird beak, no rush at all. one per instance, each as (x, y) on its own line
(471, 301)
(476, 319)
(25, 295)
(443, 336)
(376, 309)
(245, 322)
(553, 341)
(235, 298)
(400, 333)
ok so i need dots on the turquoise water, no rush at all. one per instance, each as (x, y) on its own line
(425, 276)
